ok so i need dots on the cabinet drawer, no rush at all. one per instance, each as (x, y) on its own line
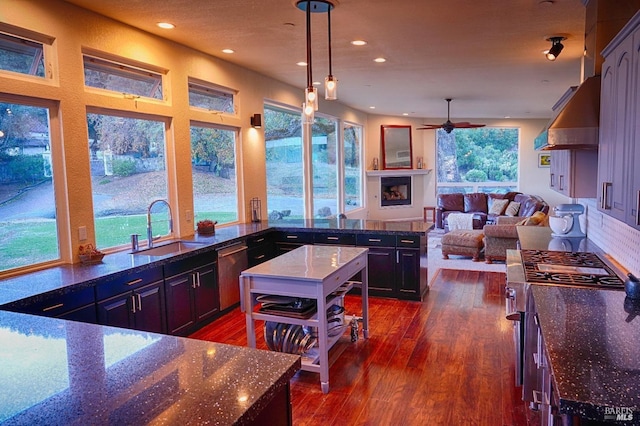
(376, 240)
(295, 237)
(55, 304)
(128, 282)
(255, 241)
(184, 265)
(335, 238)
(412, 241)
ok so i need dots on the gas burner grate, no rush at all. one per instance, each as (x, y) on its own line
(532, 258)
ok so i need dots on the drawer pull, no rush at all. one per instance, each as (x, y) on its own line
(134, 282)
(407, 241)
(259, 257)
(374, 240)
(292, 237)
(259, 240)
(333, 238)
(59, 305)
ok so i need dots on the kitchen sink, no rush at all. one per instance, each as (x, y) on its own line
(175, 247)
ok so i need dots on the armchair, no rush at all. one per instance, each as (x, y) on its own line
(503, 235)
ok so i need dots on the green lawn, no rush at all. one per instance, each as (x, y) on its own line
(30, 242)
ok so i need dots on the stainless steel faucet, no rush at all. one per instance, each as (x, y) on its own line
(150, 237)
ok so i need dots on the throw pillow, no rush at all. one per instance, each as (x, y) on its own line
(536, 219)
(498, 207)
(512, 209)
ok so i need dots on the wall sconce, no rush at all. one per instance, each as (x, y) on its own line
(256, 121)
(556, 47)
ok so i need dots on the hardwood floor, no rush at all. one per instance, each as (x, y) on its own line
(448, 360)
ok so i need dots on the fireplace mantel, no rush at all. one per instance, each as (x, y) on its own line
(398, 172)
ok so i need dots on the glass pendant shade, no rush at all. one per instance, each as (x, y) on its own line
(330, 88)
(311, 97)
(307, 114)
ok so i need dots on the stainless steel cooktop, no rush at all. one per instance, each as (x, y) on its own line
(581, 269)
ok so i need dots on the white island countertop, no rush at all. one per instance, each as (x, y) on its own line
(307, 263)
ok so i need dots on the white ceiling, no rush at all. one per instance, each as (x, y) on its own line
(485, 54)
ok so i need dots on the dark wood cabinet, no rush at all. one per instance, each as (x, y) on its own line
(139, 309)
(77, 305)
(135, 301)
(260, 249)
(192, 292)
(382, 271)
(408, 273)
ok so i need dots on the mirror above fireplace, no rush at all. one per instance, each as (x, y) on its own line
(396, 147)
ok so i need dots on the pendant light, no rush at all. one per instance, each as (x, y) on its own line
(330, 83)
(310, 93)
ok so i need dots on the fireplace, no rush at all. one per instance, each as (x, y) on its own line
(395, 191)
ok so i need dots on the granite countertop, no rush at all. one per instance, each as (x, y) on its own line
(64, 277)
(66, 372)
(591, 337)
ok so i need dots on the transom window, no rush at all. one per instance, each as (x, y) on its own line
(211, 97)
(21, 55)
(122, 78)
(477, 160)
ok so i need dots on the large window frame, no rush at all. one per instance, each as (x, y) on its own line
(472, 180)
(58, 181)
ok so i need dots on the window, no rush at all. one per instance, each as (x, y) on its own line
(121, 78)
(325, 171)
(283, 137)
(352, 149)
(20, 55)
(210, 97)
(127, 173)
(213, 168)
(477, 160)
(28, 226)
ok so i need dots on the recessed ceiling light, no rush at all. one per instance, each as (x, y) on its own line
(316, 83)
(380, 60)
(372, 107)
(359, 42)
(228, 51)
(301, 64)
(405, 113)
(507, 116)
(166, 25)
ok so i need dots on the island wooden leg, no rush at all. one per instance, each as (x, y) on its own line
(365, 300)
(247, 305)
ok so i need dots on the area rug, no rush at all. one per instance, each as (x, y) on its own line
(436, 262)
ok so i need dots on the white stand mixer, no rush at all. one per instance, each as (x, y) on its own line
(566, 222)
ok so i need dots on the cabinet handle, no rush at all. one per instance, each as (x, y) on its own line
(133, 303)
(397, 256)
(259, 257)
(333, 238)
(130, 283)
(292, 237)
(139, 301)
(605, 196)
(193, 280)
(259, 240)
(374, 240)
(551, 184)
(197, 279)
(59, 305)
(407, 241)
(561, 182)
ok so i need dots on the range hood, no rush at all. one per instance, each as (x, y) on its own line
(575, 125)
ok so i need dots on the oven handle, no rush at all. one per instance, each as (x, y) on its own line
(510, 305)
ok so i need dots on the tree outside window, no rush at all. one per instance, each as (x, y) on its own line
(477, 160)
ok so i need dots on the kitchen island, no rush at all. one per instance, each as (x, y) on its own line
(60, 372)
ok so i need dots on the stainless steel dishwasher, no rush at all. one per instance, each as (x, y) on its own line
(232, 260)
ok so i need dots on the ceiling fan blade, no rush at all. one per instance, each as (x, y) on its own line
(429, 127)
(467, 125)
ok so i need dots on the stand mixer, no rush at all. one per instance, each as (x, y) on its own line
(566, 222)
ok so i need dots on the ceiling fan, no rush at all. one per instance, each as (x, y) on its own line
(448, 126)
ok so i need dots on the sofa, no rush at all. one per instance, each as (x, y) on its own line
(503, 235)
(486, 208)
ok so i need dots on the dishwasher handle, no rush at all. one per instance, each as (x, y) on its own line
(231, 250)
